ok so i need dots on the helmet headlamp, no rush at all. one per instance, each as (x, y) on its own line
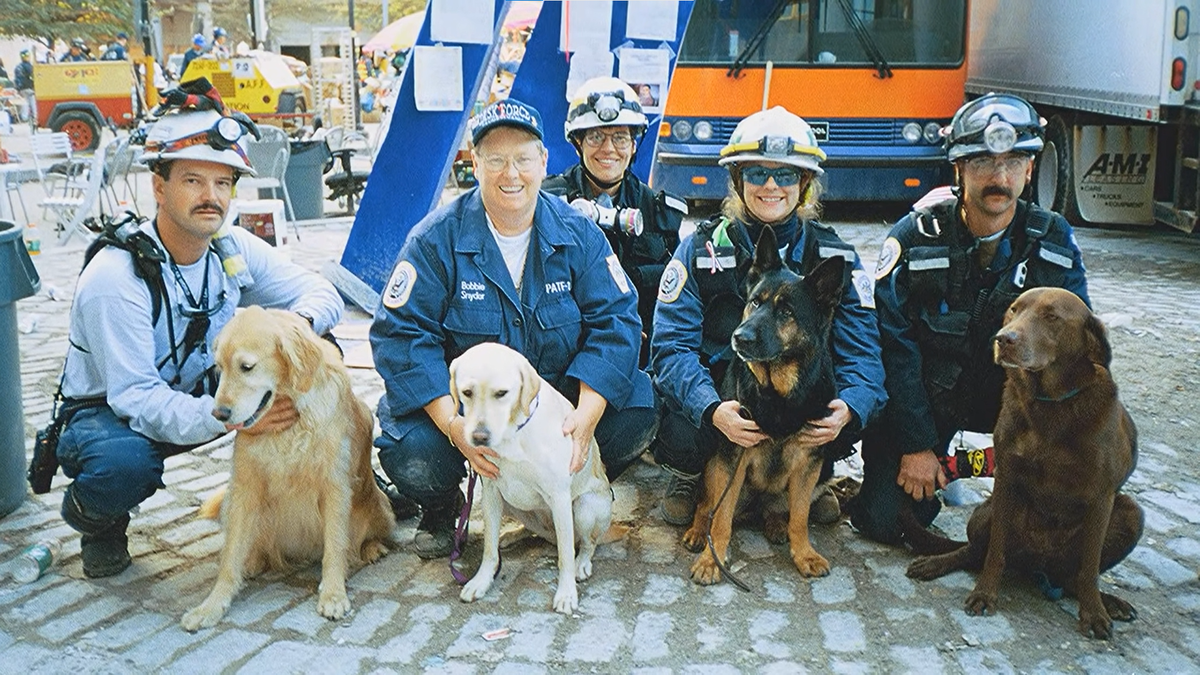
(999, 137)
(607, 107)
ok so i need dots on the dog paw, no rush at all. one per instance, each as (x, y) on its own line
(1118, 609)
(705, 571)
(694, 539)
(566, 600)
(924, 568)
(476, 588)
(205, 616)
(980, 603)
(373, 550)
(1095, 624)
(333, 604)
(583, 568)
(775, 527)
(811, 564)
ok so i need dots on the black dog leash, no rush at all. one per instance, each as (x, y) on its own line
(708, 534)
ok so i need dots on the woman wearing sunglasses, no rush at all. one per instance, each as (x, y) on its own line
(773, 163)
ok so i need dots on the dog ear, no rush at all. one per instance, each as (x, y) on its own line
(453, 384)
(301, 356)
(531, 384)
(827, 281)
(1098, 348)
(766, 259)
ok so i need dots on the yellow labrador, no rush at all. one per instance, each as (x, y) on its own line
(302, 493)
(509, 408)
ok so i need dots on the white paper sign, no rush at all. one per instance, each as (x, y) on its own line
(437, 78)
(468, 21)
(585, 66)
(647, 71)
(586, 26)
(243, 69)
(652, 19)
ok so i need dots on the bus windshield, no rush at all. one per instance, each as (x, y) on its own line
(871, 33)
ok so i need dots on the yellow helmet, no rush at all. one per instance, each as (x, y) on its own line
(774, 135)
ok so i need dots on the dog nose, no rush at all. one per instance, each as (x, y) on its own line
(480, 438)
(222, 413)
(744, 334)
(1006, 338)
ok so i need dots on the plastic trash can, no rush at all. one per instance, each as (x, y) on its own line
(18, 280)
(303, 178)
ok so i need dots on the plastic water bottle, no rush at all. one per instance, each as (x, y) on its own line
(35, 560)
(33, 239)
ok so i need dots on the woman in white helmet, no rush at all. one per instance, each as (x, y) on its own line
(139, 373)
(605, 123)
(773, 163)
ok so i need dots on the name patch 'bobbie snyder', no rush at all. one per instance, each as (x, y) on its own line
(889, 255)
(673, 279)
(618, 274)
(400, 285)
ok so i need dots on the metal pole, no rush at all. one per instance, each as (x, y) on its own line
(354, 69)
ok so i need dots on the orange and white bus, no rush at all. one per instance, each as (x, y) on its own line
(876, 79)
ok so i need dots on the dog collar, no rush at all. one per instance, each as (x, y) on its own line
(532, 409)
(1059, 399)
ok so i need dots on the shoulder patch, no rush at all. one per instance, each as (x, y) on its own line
(673, 279)
(618, 274)
(864, 285)
(400, 285)
(889, 255)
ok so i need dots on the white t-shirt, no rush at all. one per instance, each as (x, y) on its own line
(514, 249)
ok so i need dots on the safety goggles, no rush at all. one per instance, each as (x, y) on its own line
(206, 312)
(621, 140)
(224, 135)
(607, 106)
(785, 176)
(998, 124)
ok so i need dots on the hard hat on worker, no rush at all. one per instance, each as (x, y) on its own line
(204, 135)
(605, 102)
(774, 135)
(198, 40)
(994, 124)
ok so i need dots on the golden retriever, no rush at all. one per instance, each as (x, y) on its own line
(301, 493)
(509, 408)
(1064, 447)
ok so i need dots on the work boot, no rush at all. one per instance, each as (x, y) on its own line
(402, 506)
(435, 532)
(825, 508)
(679, 499)
(106, 553)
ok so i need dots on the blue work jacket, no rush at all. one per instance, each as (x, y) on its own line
(575, 317)
(679, 352)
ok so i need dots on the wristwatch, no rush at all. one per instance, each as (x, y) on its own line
(307, 317)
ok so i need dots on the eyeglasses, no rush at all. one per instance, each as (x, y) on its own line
(621, 140)
(497, 163)
(196, 312)
(785, 176)
(989, 164)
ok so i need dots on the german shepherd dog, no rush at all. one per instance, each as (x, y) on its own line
(783, 375)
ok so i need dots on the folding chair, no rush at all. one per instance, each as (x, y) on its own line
(269, 157)
(71, 210)
(118, 162)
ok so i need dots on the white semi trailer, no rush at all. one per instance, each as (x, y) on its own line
(1117, 83)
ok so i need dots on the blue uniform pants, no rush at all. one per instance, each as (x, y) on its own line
(682, 447)
(875, 509)
(427, 468)
(114, 468)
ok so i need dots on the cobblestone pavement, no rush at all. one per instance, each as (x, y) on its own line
(639, 612)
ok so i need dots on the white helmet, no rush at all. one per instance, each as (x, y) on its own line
(605, 102)
(774, 135)
(204, 135)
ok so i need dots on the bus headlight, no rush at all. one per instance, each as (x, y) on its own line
(702, 131)
(933, 133)
(911, 132)
(682, 130)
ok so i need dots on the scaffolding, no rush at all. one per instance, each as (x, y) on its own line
(333, 76)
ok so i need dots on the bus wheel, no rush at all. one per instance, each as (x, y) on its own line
(81, 127)
(1054, 181)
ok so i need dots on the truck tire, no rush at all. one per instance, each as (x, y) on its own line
(81, 127)
(1055, 178)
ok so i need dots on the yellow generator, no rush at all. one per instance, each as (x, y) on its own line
(81, 98)
(258, 83)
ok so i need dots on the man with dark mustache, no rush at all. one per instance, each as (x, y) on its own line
(945, 276)
(138, 379)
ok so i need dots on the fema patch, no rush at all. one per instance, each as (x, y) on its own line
(618, 274)
(400, 285)
(865, 287)
(673, 280)
(889, 255)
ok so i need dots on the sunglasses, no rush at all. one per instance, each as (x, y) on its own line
(785, 176)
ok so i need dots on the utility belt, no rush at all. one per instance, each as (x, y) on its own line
(45, 447)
